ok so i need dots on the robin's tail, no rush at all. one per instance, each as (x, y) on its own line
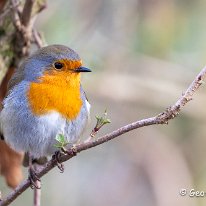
(10, 165)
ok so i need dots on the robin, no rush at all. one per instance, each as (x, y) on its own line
(45, 99)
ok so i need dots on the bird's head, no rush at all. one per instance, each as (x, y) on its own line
(53, 73)
(53, 61)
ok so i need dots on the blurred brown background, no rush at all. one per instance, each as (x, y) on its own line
(144, 54)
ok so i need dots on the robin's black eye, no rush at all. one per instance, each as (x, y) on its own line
(58, 65)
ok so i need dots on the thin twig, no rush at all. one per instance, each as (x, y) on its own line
(24, 22)
(37, 38)
(161, 118)
(37, 192)
(16, 17)
(26, 13)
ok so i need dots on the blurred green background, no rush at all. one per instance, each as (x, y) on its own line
(144, 54)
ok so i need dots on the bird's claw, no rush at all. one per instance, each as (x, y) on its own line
(33, 178)
(56, 157)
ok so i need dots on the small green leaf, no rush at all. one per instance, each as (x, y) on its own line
(98, 118)
(65, 144)
(58, 145)
(101, 121)
(107, 121)
(60, 138)
(61, 141)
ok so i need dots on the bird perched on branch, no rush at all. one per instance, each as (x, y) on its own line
(45, 99)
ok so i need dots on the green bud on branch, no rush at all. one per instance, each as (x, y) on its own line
(101, 121)
(61, 142)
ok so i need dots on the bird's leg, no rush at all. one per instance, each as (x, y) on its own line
(32, 174)
(58, 154)
(56, 157)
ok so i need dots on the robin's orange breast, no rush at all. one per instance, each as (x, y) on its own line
(56, 91)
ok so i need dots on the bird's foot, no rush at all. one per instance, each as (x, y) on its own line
(56, 157)
(33, 178)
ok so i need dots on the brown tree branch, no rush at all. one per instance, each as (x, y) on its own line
(26, 13)
(161, 118)
(37, 39)
(24, 22)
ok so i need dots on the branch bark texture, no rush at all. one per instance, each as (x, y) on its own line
(162, 118)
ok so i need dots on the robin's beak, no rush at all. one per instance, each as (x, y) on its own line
(82, 69)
